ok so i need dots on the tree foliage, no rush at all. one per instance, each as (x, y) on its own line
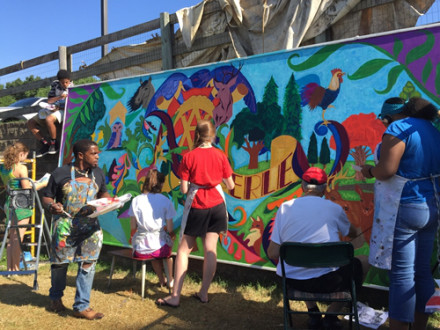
(292, 110)
(312, 150)
(39, 92)
(324, 154)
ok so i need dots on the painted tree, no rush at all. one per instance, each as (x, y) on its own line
(292, 109)
(253, 132)
(324, 154)
(364, 133)
(312, 150)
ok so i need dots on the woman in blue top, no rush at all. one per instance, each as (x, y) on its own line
(409, 151)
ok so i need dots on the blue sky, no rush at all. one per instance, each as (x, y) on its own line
(32, 28)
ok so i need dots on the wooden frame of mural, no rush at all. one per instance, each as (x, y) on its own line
(276, 114)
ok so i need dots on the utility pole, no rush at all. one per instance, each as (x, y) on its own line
(104, 26)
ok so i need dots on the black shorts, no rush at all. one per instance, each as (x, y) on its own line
(338, 280)
(202, 221)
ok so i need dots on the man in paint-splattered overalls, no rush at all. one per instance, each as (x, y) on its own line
(75, 237)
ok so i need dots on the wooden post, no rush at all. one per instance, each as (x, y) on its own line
(167, 37)
(104, 25)
(62, 57)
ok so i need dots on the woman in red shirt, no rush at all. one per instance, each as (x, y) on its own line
(202, 171)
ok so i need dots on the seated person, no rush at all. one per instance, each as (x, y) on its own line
(151, 215)
(52, 112)
(313, 219)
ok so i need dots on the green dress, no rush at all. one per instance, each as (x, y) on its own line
(8, 179)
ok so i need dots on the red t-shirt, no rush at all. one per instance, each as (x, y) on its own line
(205, 167)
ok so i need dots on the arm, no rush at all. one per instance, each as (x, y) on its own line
(230, 184)
(169, 229)
(52, 206)
(391, 153)
(133, 227)
(184, 186)
(352, 232)
(273, 251)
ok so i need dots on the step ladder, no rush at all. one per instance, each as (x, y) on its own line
(26, 198)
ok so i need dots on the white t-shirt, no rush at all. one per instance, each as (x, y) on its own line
(309, 219)
(151, 212)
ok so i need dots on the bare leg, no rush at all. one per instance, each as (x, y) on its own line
(35, 130)
(420, 321)
(209, 263)
(185, 248)
(398, 325)
(170, 270)
(51, 127)
(158, 269)
(13, 249)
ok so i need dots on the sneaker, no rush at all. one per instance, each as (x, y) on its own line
(52, 149)
(49, 106)
(56, 306)
(43, 151)
(88, 314)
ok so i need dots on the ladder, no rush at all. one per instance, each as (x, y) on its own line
(26, 198)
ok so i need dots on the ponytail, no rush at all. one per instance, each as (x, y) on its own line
(153, 182)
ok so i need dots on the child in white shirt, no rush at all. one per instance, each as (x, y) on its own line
(151, 215)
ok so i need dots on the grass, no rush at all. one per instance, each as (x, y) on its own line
(235, 303)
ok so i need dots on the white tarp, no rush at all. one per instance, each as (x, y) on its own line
(261, 26)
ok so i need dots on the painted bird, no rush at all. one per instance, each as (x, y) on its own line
(315, 95)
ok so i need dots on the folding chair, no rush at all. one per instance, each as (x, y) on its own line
(315, 255)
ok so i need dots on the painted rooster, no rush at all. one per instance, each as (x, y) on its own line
(315, 95)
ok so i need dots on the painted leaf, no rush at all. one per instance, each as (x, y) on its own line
(397, 48)
(81, 91)
(369, 68)
(392, 78)
(77, 100)
(426, 70)
(319, 57)
(420, 51)
(111, 93)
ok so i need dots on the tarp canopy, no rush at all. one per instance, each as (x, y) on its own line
(261, 26)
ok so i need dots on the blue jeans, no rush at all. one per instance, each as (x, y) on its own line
(84, 282)
(411, 282)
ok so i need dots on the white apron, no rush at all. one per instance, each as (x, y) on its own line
(386, 205)
(193, 188)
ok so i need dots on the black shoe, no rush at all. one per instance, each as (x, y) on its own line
(52, 149)
(43, 151)
(331, 323)
(314, 322)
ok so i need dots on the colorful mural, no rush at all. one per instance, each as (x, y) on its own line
(275, 114)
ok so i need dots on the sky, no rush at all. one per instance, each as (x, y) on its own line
(30, 29)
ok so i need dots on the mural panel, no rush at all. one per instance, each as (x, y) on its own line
(276, 114)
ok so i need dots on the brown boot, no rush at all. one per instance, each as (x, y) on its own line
(56, 306)
(88, 314)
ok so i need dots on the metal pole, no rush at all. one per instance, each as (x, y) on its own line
(104, 26)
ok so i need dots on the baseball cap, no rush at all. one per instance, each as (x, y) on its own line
(315, 175)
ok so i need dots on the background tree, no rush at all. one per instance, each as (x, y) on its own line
(39, 92)
(312, 150)
(253, 132)
(292, 110)
(324, 154)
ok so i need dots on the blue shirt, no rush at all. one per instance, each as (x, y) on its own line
(420, 159)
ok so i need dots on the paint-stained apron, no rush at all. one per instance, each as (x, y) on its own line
(76, 238)
(193, 188)
(387, 196)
